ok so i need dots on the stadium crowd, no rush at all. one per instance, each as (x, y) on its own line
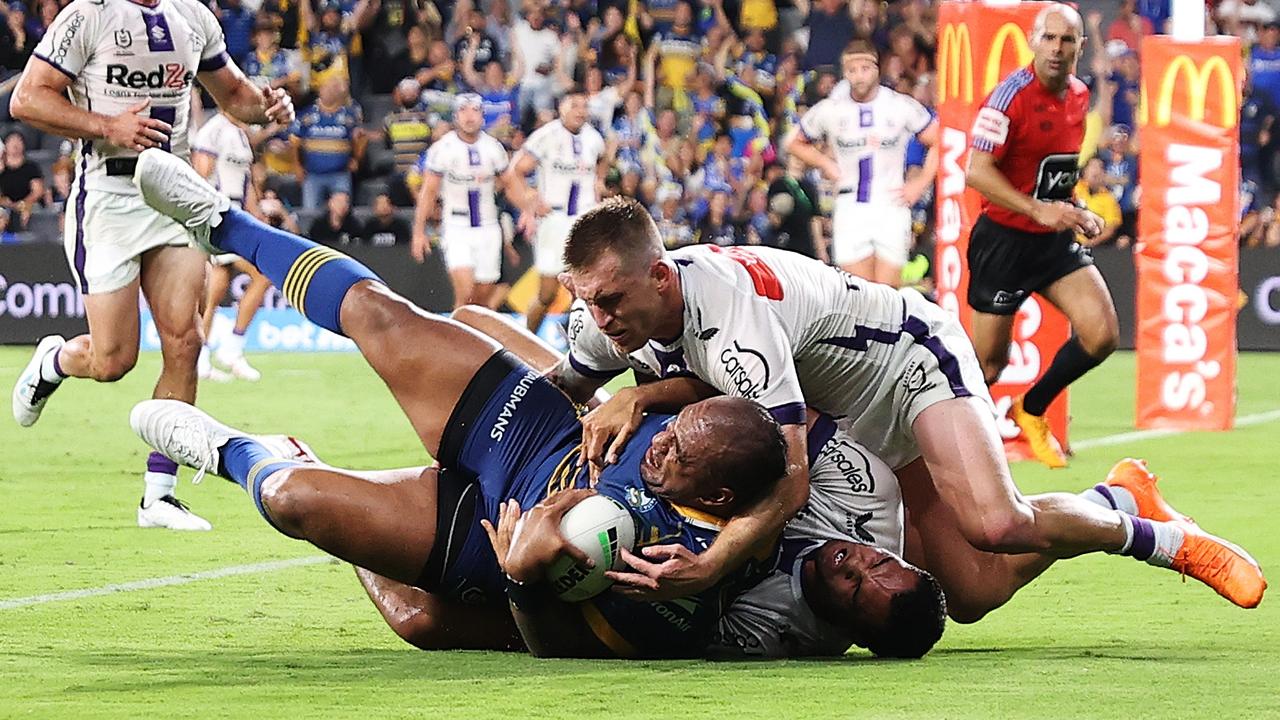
(695, 99)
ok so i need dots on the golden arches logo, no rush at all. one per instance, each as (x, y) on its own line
(1196, 91)
(955, 63)
(1009, 32)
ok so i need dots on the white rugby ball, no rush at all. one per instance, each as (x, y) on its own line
(600, 527)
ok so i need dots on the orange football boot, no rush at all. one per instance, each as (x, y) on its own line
(1043, 445)
(1225, 567)
(1132, 475)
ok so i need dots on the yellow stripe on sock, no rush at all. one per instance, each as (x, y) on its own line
(298, 279)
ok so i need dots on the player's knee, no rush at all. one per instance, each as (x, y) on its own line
(288, 498)
(1000, 532)
(1101, 342)
(112, 366)
(419, 629)
(371, 309)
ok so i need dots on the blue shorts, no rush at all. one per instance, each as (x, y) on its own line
(513, 434)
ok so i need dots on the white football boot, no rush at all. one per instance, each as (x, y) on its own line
(172, 514)
(206, 370)
(189, 436)
(31, 392)
(239, 368)
(174, 189)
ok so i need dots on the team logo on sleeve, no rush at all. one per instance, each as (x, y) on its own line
(746, 370)
(991, 125)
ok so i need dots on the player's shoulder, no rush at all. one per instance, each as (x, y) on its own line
(1004, 94)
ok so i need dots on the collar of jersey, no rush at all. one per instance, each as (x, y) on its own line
(148, 8)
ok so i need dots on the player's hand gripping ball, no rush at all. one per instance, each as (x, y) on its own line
(600, 527)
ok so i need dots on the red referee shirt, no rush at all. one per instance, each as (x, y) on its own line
(1035, 136)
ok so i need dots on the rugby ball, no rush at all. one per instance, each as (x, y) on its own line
(600, 527)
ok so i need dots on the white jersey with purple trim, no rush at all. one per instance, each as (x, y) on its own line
(566, 166)
(853, 496)
(869, 140)
(781, 329)
(118, 53)
(468, 172)
(232, 153)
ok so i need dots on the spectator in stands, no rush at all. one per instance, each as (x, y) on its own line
(237, 23)
(717, 226)
(762, 64)
(678, 49)
(384, 25)
(1092, 190)
(469, 26)
(916, 61)
(1120, 166)
(385, 228)
(21, 182)
(602, 99)
(330, 36)
(1257, 116)
(1264, 64)
(793, 212)
(673, 223)
(831, 27)
(6, 234)
(1245, 18)
(42, 19)
(616, 57)
(1268, 227)
(441, 74)
(329, 142)
(415, 58)
(657, 17)
(1129, 26)
(1126, 79)
(501, 25)
(16, 43)
(268, 63)
(538, 43)
(336, 226)
(497, 88)
(753, 220)
(62, 174)
(407, 129)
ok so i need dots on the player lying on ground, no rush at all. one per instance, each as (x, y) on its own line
(785, 330)
(504, 434)
(852, 493)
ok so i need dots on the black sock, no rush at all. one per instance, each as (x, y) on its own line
(1068, 365)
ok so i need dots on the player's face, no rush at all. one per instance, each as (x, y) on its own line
(469, 119)
(573, 112)
(863, 75)
(671, 465)
(854, 584)
(626, 304)
(1056, 48)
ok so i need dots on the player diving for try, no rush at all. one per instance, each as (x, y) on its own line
(505, 437)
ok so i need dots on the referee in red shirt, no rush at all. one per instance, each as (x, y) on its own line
(1026, 147)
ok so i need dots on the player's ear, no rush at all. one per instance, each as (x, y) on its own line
(661, 272)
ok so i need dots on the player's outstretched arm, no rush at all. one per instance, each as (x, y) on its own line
(550, 627)
(245, 101)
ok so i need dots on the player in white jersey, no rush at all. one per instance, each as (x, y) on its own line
(116, 75)
(569, 155)
(223, 153)
(463, 170)
(867, 127)
(897, 371)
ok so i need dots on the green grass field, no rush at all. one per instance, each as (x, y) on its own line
(1095, 637)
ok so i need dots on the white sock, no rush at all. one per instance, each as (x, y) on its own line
(48, 368)
(157, 486)
(1123, 499)
(232, 346)
(1127, 521)
(1111, 497)
(1169, 539)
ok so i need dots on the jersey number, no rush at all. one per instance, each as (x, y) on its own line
(762, 276)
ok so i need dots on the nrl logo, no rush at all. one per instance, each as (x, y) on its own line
(123, 39)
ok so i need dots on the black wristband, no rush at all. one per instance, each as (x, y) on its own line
(528, 596)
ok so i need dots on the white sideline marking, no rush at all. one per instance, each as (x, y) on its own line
(151, 583)
(1121, 438)
(266, 567)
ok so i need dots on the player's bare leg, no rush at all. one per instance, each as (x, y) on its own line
(219, 279)
(463, 280)
(428, 621)
(524, 344)
(548, 288)
(173, 282)
(991, 337)
(886, 272)
(230, 353)
(864, 268)
(110, 349)
(965, 460)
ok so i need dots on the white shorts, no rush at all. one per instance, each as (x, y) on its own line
(860, 230)
(223, 259)
(105, 235)
(933, 360)
(548, 250)
(479, 248)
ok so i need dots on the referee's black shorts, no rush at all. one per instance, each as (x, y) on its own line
(1006, 265)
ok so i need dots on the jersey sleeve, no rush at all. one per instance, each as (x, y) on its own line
(668, 629)
(591, 353)
(746, 631)
(750, 356)
(433, 159)
(214, 54)
(68, 45)
(811, 123)
(500, 157)
(537, 144)
(918, 116)
(994, 123)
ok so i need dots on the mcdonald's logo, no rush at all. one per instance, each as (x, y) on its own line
(955, 63)
(995, 59)
(1196, 91)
